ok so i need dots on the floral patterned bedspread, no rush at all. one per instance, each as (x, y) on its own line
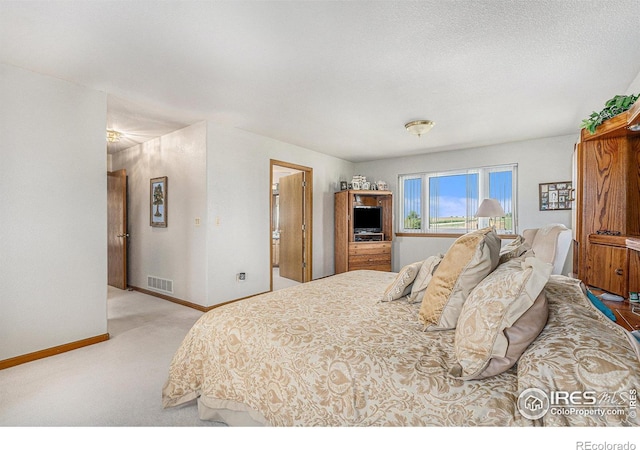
(330, 353)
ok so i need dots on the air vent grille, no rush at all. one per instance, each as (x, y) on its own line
(160, 284)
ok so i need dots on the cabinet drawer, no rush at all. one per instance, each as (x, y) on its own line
(370, 259)
(379, 267)
(369, 248)
(380, 261)
(376, 264)
(370, 256)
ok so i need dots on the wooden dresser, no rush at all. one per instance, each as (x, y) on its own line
(606, 250)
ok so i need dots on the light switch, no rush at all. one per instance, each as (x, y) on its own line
(197, 221)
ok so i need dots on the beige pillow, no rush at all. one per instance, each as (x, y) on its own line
(513, 249)
(423, 278)
(501, 317)
(401, 286)
(469, 259)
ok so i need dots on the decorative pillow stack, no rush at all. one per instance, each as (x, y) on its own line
(412, 280)
(501, 317)
(469, 259)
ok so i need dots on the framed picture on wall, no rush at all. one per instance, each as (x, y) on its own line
(555, 196)
(158, 202)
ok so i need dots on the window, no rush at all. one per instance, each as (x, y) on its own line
(446, 202)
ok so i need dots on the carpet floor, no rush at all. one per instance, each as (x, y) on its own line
(114, 383)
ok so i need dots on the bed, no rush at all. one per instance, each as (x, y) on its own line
(336, 352)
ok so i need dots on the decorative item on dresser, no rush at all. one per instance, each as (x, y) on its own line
(363, 230)
(606, 248)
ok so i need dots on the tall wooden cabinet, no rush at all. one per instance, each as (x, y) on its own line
(367, 250)
(607, 204)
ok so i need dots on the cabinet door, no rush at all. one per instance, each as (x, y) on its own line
(605, 185)
(634, 271)
(607, 268)
(342, 230)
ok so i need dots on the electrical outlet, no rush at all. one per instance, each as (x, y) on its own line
(197, 221)
(241, 276)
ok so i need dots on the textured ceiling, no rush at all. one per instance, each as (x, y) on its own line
(139, 123)
(338, 77)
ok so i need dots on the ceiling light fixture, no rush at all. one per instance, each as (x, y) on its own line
(113, 136)
(419, 127)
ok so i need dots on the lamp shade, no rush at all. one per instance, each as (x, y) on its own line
(490, 207)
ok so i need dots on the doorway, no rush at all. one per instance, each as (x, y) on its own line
(290, 199)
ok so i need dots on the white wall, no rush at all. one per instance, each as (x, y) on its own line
(238, 168)
(177, 252)
(232, 199)
(221, 175)
(53, 203)
(539, 161)
(634, 87)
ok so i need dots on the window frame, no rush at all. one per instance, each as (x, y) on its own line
(483, 192)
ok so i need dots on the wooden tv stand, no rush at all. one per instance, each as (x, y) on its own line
(356, 251)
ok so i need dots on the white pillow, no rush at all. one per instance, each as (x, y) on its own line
(423, 278)
(401, 285)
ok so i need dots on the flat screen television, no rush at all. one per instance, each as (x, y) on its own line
(367, 219)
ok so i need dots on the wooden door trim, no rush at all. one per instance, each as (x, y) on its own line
(308, 218)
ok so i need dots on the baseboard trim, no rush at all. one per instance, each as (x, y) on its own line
(169, 298)
(236, 300)
(186, 303)
(17, 360)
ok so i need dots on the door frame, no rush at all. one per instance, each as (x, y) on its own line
(307, 249)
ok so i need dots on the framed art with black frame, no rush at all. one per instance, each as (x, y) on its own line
(555, 196)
